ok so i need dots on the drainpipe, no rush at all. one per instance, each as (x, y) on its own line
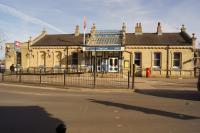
(167, 63)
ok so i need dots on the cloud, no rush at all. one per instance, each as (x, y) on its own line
(27, 18)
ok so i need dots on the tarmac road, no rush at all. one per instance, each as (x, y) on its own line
(153, 108)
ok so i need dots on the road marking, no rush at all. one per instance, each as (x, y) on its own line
(117, 117)
(119, 125)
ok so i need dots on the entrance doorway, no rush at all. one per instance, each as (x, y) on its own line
(110, 64)
(113, 65)
(99, 60)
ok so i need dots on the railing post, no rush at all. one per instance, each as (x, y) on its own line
(20, 75)
(64, 76)
(133, 76)
(40, 76)
(128, 79)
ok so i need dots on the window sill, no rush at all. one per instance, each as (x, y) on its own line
(156, 68)
(176, 69)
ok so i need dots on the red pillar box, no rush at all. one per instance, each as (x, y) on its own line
(148, 72)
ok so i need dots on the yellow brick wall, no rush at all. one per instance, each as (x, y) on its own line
(147, 61)
(52, 59)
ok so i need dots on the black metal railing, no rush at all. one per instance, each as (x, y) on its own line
(69, 78)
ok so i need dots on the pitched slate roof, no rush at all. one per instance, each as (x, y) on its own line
(181, 38)
(176, 39)
(60, 40)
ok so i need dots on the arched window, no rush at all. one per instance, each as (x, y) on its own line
(58, 58)
(43, 58)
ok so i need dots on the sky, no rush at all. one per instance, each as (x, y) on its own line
(20, 19)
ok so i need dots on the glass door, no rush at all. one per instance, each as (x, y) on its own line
(113, 65)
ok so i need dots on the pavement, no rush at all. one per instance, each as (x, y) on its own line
(156, 105)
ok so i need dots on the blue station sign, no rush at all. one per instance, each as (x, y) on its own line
(103, 48)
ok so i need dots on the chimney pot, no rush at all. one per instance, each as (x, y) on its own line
(159, 29)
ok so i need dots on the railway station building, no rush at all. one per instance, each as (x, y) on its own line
(110, 51)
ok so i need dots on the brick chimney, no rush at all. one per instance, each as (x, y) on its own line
(77, 31)
(138, 29)
(159, 29)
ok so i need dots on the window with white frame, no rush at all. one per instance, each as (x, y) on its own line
(157, 59)
(137, 60)
(177, 60)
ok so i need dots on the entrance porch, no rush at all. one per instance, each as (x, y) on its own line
(104, 61)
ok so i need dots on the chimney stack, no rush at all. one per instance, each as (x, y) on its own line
(193, 40)
(77, 31)
(138, 29)
(159, 29)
